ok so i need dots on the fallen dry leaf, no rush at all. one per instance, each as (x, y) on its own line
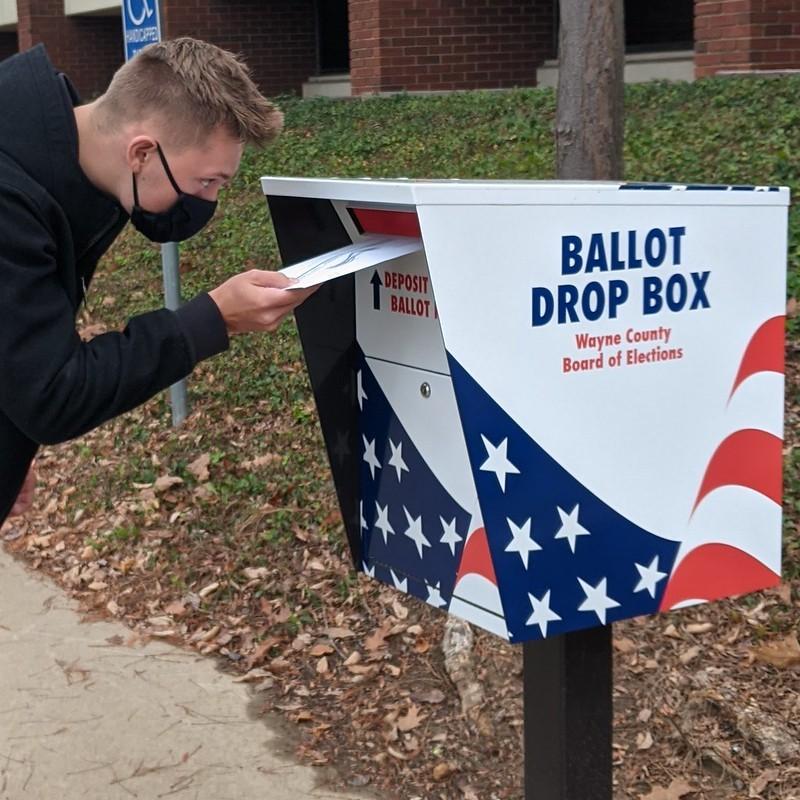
(320, 650)
(338, 633)
(689, 655)
(410, 720)
(352, 659)
(761, 782)
(199, 467)
(260, 461)
(253, 675)
(433, 696)
(278, 665)
(261, 651)
(782, 653)
(301, 641)
(784, 592)
(699, 627)
(443, 770)
(167, 482)
(623, 645)
(175, 608)
(375, 640)
(644, 741)
(677, 789)
(12, 533)
(399, 610)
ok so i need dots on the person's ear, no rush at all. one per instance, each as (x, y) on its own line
(139, 150)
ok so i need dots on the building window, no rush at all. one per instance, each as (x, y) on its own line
(654, 25)
(333, 36)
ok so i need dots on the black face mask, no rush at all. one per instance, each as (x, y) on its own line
(184, 218)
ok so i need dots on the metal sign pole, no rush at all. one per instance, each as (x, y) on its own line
(141, 25)
(172, 297)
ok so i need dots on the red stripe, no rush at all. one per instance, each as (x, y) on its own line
(713, 571)
(749, 458)
(476, 558)
(764, 353)
(394, 223)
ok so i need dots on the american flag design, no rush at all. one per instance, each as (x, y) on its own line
(414, 530)
(580, 563)
(546, 555)
(741, 489)
(422, 530)
(564, 559)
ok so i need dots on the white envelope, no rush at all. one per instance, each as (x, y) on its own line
(368, 251)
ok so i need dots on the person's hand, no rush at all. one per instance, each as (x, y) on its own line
(257, 300)
(25, 497)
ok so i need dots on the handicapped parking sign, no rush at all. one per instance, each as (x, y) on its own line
(141, 25)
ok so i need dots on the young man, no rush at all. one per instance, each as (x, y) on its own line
(155, 149)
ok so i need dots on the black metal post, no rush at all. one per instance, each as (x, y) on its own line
(567, 684)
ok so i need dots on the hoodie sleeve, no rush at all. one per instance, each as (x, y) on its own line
(53, 386)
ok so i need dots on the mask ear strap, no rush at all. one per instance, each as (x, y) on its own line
(135, 190)
(167, 170)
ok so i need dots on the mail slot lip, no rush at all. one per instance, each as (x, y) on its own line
(520, 192)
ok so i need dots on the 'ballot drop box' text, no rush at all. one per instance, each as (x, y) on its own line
(565, 406)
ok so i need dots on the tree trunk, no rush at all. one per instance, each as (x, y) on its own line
(589, 122)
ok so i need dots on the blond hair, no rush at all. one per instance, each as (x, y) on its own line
(192, 87)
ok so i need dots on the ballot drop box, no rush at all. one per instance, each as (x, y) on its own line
(548, 406)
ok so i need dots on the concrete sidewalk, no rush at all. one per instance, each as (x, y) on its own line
(84, 718)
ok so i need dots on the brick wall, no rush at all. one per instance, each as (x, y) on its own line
(8, 44)
(429, 45)
(743, 35)
(88, 49)
(276, 38)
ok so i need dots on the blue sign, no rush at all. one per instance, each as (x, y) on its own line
(140, 25)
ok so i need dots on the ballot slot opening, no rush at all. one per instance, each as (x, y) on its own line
(378, 235)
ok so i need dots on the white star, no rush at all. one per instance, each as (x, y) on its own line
(434, 597)
(369, 455)
(497, 461)
(649, 577)
(382, 523)
(402, 585)
(396, 459)
(542, 613)
(596, 599)
(368, 570)
(450, 535)
(570, 528)
(521, 541)
(414, 532)
(362, 395)
(361, 514)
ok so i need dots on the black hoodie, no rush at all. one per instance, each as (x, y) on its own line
(54, 226)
